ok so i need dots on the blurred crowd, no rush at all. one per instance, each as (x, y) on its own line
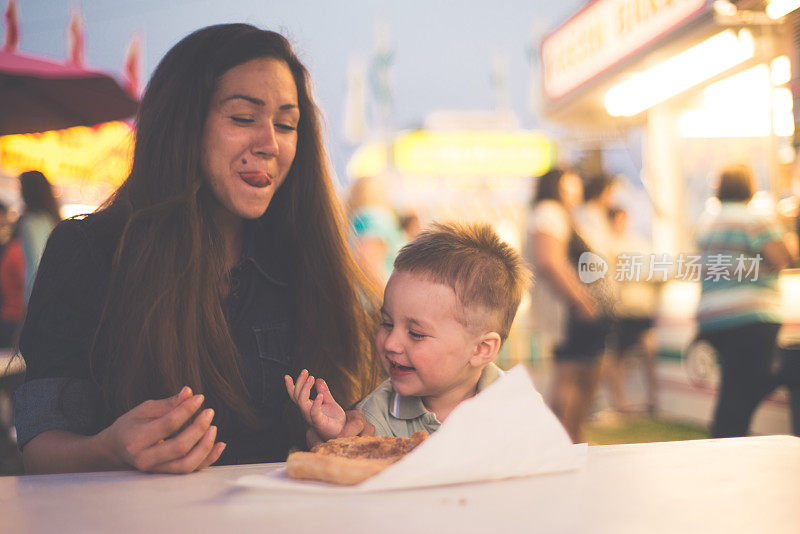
(593, 325)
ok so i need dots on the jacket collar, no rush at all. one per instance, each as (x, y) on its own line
(403, 407)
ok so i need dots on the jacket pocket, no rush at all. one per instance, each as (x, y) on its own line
(273, 341)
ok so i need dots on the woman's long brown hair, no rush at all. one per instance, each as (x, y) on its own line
(163, 326)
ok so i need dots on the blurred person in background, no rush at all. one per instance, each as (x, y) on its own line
(377, 236)
(410, 224)
(40, 215)
(740, 304)
(636, 301)
(12, 279)
(564, 312)
(12, 290)
(788, 368)
(591, 217)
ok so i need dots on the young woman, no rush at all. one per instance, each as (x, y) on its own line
(566, 315)
(220, 265)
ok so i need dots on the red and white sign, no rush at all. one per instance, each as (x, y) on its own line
(604, 33)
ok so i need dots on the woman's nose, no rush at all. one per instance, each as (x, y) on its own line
(265, 143)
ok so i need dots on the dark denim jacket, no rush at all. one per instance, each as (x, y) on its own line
(64, 311)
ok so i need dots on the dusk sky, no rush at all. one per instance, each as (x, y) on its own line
(443, 50)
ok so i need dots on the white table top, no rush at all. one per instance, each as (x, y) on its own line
(729, 486)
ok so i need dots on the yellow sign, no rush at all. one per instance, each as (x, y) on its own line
(603, 34)
(473, 153)
(73, 157)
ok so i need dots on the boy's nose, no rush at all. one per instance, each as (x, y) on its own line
(392, 342)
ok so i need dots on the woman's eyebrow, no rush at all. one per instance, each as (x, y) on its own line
(258, 101)
(251, 99)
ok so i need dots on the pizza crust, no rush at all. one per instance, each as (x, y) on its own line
(349, 461)
(334, 469)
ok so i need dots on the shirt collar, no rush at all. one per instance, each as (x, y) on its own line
(411, 407)
(261, 250)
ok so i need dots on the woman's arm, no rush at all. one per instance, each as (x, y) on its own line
(60, 451)
(146, 438)
(551, 262)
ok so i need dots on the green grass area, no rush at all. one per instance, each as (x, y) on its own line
(640, 430)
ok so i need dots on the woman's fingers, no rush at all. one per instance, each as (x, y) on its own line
(177, 447)
(157, 408)
(213, 456)
(169, 423)
(191, 461)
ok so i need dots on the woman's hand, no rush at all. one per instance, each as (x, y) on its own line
(324, 414)
(148, 438)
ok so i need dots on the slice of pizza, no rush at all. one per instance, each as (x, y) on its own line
(349, 461)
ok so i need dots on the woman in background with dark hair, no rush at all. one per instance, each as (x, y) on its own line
(39, 216)
(219, 266)
(559, 300)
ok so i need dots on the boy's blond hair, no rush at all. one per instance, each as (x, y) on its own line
(487, 275)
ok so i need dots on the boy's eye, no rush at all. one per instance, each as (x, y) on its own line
(416, 335)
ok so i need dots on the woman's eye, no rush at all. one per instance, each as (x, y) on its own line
(415, 335)
(386, 324)
(243, 120)
(286, 127)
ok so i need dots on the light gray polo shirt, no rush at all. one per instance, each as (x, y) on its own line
(393, 414)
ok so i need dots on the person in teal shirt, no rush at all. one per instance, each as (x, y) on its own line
(40, 216)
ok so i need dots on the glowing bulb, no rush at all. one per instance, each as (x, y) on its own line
(780, 70)
(778, 8)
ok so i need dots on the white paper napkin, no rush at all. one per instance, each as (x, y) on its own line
(506, 431)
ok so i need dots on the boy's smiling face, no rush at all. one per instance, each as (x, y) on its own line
(423, 347)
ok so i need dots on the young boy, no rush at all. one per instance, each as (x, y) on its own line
(447, 309)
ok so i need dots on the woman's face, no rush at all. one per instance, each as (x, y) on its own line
(250, 135)
(571, 188)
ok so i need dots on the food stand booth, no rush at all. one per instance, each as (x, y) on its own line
(703, 84)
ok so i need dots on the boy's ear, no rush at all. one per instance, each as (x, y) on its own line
(486, 350)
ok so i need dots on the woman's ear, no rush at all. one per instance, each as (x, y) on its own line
(486, 350)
